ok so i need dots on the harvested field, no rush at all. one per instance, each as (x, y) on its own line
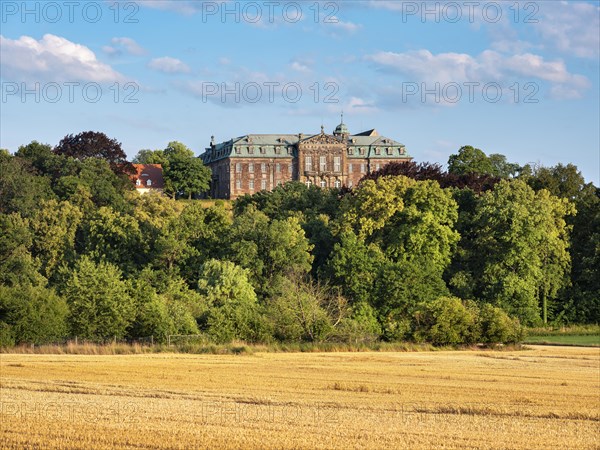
(543, 397)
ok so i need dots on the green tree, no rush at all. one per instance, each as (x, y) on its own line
(498, 327)
(17, 265)
(108, 235)
(93, 144)
(409, 220)
(185, 174)
(21, 188)
(150, 157)
(306, 311)
(502, 168)
(54, 226)
(268, 249)
(469, 160)
(99, 301)
(520, 252)
(233, 307)
(446, 321)
(34, 314)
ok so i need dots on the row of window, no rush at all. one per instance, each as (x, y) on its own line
(251, 184)
(388, 151)
(263, 150)
(337, 163)
(138, 182)
(323, 183)
(263, 167)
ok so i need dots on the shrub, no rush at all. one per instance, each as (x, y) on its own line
(498, 327)
(32, 315)
(445, 321)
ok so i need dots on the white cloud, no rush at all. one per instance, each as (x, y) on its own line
(572, 27)
(167, 64)
(52, 58)
(358, 105)
(489, 66)
(300, 66)
(123, 43)
(349, 27)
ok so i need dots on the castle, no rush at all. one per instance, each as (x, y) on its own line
(256, 162)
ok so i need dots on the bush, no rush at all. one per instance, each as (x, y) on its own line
(31, 315)
(362, 326)
(446, 321)
(498, 327)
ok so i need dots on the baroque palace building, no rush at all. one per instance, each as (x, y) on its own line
(256, 162)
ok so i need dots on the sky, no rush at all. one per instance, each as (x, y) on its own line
(519, 78)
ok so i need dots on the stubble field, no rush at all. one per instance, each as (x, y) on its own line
(544, 397)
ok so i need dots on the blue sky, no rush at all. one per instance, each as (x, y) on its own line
(518, 78)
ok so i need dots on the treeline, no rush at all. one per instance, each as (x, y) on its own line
(413, 253)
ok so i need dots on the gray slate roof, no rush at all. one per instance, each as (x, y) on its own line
(284, 146)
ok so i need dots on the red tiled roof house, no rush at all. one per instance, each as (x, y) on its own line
(148, 178)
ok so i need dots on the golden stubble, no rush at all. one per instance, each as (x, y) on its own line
(543, 397)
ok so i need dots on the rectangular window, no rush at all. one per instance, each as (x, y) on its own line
(278, 150)
(238, 167)
(251, 185)
(350, 168)
(388, 150)
(362, 151)
(378, 151)
(377, 166)
(238, 184)
(263, 167)
(308, 163)
(263, 150)
(349, 152)
(250, 150)
(251, 167)
(323, 163)
(263, 184)
(278, 168)
(362, 168)
(337, 164)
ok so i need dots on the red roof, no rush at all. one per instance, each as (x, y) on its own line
(150, 176)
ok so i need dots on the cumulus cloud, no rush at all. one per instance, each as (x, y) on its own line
(572, 27)
(52, 58)
(489, 66)
(167, 64)
(123, 44)
(300, 66)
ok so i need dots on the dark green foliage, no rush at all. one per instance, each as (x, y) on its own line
(100, 305)
(446, 321)
(21, 188)
(497, 327)
(32, 315)
(388, 260)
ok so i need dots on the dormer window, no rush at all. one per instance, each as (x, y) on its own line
(238, 150)
(263, 150)
(378, 151)
(138, 182)
(148, 182)
(388, 151)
